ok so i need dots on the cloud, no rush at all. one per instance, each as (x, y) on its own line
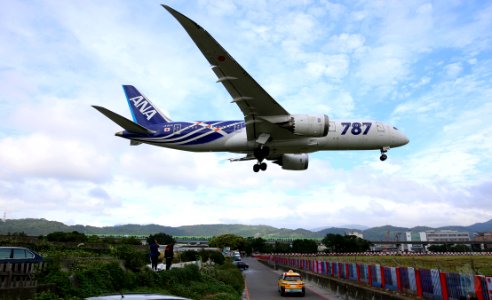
(424, 67)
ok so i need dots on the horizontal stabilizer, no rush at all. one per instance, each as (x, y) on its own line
(123, 122)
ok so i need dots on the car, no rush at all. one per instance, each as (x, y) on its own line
(12, 254)
(291, 282)
(241, 265)
(136, 296)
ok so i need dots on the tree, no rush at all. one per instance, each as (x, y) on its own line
(228, 240)
(161, 238)
(281, 247)
(345, 243)
(256, 245)
(74, 236)
(304, 246)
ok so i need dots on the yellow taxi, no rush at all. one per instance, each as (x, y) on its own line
(291, 282)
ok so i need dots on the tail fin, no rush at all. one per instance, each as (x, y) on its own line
(143, 111)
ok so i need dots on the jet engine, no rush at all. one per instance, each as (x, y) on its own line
(308, 125)
(293, 161)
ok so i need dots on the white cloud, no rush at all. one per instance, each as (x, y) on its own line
(424, 67)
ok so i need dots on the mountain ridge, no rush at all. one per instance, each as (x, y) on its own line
(34, 227)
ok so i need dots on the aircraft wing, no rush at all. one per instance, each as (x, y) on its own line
(260, 110)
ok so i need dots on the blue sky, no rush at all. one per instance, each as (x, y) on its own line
(425, 67)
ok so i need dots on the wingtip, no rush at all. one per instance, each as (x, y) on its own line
(167, 7)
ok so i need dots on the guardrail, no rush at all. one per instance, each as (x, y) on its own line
(17, 280)
(428, 284)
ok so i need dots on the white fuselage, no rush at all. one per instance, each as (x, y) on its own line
(342, 135)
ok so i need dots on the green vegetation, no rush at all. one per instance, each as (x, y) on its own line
(233, 241)
(161, 238)
(35, 227)
(304, 246)
(77, 266)
(345, 243)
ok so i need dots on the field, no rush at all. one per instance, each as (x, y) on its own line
(478, 265)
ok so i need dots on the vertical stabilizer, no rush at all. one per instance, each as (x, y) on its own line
(143, 111)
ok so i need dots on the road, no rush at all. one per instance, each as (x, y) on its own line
(261, 284)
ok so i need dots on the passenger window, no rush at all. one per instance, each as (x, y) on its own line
(19, 253)
(5, 253)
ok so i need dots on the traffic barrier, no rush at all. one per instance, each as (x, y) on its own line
(428, 284)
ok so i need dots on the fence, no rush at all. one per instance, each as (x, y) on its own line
(428, 284)
(17, 280)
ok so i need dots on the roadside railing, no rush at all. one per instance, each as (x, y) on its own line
(425, 283)
(17, 280)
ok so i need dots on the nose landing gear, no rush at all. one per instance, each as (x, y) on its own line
(383, 156)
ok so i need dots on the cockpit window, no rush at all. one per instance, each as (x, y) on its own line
(395, 128)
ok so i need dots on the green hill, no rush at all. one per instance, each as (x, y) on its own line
(37, 227)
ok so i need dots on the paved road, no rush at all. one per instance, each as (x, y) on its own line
(261, 284)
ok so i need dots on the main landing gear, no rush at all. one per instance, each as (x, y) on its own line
(383, 156)
(260, 153)
(259, 166)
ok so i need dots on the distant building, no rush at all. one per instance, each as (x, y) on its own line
(446, 236)
(409, 237)
(483, 237)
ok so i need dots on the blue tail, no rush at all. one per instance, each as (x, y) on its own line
(143, 111)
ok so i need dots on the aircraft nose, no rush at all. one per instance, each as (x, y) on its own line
(399, 139)
(403, 140)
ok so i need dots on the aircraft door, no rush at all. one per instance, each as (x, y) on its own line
(177, 127)
(380, 127)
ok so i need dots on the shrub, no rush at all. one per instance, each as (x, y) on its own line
(217, 257)
(189, 255)
(204, 255)
(73, 236)
(133, 259)
(230, 275)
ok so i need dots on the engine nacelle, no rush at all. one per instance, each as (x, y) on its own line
(309, 125)
(293, 161)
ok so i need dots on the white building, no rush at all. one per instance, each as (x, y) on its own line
(445, 236)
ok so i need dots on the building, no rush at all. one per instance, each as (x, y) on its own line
(446, 236)
(483, 237)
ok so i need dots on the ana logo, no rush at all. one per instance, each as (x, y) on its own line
(143, 106)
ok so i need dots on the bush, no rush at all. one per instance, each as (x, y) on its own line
(73, 236)
(217, 257)
(77, 274)
(133, 259)
(230, 275)
(189, 255)
(204, 255)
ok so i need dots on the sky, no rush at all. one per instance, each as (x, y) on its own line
(422, 66)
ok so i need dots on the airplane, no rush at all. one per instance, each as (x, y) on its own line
(267, 133)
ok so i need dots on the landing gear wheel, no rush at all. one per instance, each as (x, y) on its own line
(256, 168)
(263, 166)
(383, 156)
